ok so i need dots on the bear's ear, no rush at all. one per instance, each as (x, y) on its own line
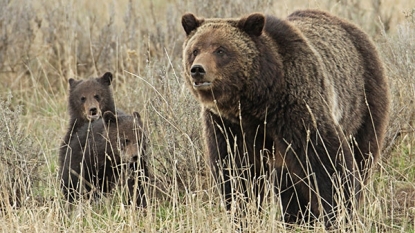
(137, 115)
(253, 24)
(190, 23)
(109, 117)
(106, 78)
(73, 83)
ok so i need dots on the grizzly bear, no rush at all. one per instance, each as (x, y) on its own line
(302, 100)
(102, 153)
(88, 99)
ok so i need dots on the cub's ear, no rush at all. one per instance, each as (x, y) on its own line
(106, 78)
(190, 23)
(252, 24)
(73, 83)
(109, 117)
(136, 115)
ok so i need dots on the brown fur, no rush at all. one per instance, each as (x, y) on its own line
(88, 99)
(294, 91)
(97, 157)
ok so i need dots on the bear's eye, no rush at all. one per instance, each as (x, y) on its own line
(124, 142)
(220, 51)
(96, 97)
(195, 52)
(127, 141)
(83, 98)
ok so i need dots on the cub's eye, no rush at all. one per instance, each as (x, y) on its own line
(127, 142)
(195, 52)
(83, 98)
(124, 143)
(96, 97)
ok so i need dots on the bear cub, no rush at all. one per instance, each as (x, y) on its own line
(88, 99)
(102, 154)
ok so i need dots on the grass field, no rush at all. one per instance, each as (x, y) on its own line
(44, 43)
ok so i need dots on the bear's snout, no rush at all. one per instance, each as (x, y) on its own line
(93, 111)
(197, 72)
(198, 75)
(134, 158)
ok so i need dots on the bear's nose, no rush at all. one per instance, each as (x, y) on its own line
(93, 111)
(197, 71)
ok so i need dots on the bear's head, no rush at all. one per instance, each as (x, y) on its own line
(126, 136)
(220, 57)
(88, 99)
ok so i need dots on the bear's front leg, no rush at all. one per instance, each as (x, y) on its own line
(69, 181)
(136, 182)
(136, 190)
(230, 153)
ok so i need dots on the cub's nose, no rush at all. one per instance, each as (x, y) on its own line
(93, 111)
(197, 71)
(134, 158)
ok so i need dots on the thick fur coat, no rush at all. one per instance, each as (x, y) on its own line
(102, 154)
(303, 100)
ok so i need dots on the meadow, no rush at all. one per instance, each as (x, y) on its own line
(44, 43)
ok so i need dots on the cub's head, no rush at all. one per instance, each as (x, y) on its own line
(126, 136)
(219, 56)
(88, 99)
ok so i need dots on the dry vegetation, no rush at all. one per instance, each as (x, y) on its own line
(44, 43)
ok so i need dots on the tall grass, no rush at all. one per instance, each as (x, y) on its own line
(44, 43)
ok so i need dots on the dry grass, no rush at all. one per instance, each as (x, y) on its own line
(44, 43)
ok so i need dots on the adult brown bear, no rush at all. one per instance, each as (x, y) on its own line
(303, 100)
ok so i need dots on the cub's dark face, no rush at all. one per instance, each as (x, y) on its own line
(218, 59)
(126, 135)
(89, 98)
